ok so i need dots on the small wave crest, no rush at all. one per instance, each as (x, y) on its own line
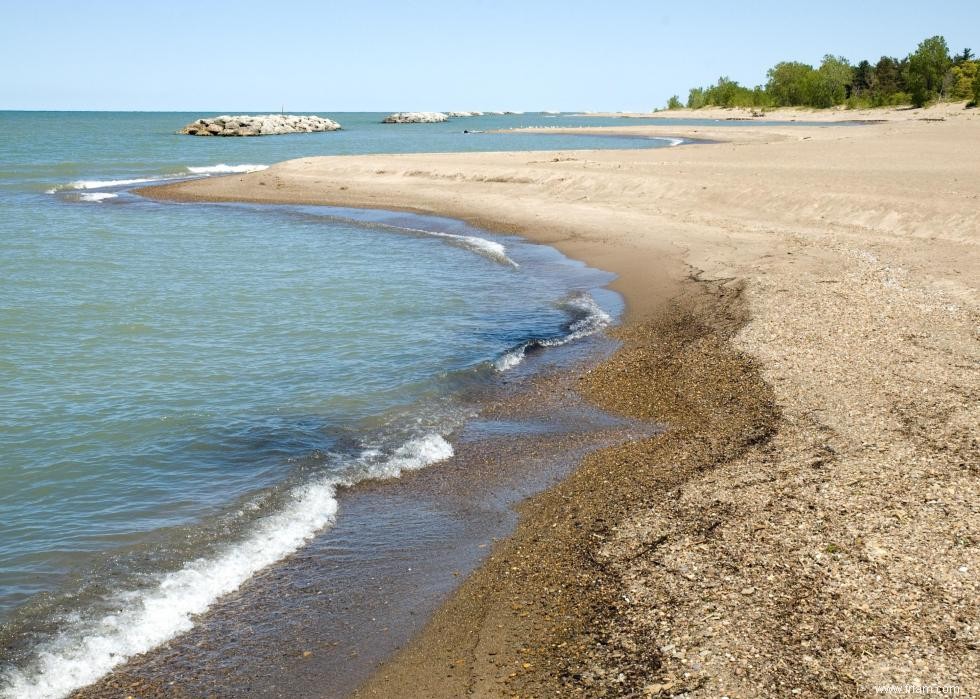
(195, 170)
(104, 184)
(146, 618)
(588, 318)
(96, 196)
(489, 249)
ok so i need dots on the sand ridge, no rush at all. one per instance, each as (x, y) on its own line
(809, 526)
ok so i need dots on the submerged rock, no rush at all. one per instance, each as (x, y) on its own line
(415, 118)
(261, 125)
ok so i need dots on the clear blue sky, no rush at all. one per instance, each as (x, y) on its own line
(380, 55)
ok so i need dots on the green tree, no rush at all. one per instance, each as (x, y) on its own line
(835, 79)
(726, 92)
(927, 73)
(863, 78)
(976, 89)
(696, 98)
(674, 103)
(888, 78)
(788, 84)
(961, 79)
(926, 70)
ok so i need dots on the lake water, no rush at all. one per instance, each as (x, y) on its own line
(183, 388)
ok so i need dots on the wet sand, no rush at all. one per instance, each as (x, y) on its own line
(802, 313)
(319, 622)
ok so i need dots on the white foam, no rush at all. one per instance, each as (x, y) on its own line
(487, 248)
(96, 196)
(591, 319)
(222, 169)
(147, 618)
(510, 359)
(671, 142)
(202, 170)
(413, 455)
(103, 184)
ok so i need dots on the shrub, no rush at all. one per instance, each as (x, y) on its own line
(695, 98)
(961, 78)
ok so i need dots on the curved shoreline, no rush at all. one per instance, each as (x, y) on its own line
(584, 317)
(704, 560)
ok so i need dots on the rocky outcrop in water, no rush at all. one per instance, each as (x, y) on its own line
(415, 118)
(463, 114)
(262, 125)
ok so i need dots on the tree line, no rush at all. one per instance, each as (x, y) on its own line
(926, 75)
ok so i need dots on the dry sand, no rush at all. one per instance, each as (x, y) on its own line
(809, 523)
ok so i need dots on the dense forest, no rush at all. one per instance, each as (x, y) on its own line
(927, 74)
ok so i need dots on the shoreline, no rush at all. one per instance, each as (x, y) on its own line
(707, 559)
(317, 623)
(831, 116)
(568, 280)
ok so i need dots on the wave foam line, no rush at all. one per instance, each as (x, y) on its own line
(222, 169)
(86, 652)
(96, 196)
(588, 318)
(202, 170)
(487, 248)
(102, 184)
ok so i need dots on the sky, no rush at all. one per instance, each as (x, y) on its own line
(377, 55)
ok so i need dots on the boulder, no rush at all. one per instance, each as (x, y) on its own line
(262, 125)
(415, 118)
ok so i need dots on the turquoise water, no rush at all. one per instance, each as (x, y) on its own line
(186, 387)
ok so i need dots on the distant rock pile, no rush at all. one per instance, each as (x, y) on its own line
(262, 125)
(415, 118)
(463, 114)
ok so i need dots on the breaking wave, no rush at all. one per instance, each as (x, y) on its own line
(588, 318)
(490, 249)
(222, 169)
(96, 196)
(105, 184)
(91, 648)
(189, 171)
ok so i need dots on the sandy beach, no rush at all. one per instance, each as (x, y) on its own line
(802, 316)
